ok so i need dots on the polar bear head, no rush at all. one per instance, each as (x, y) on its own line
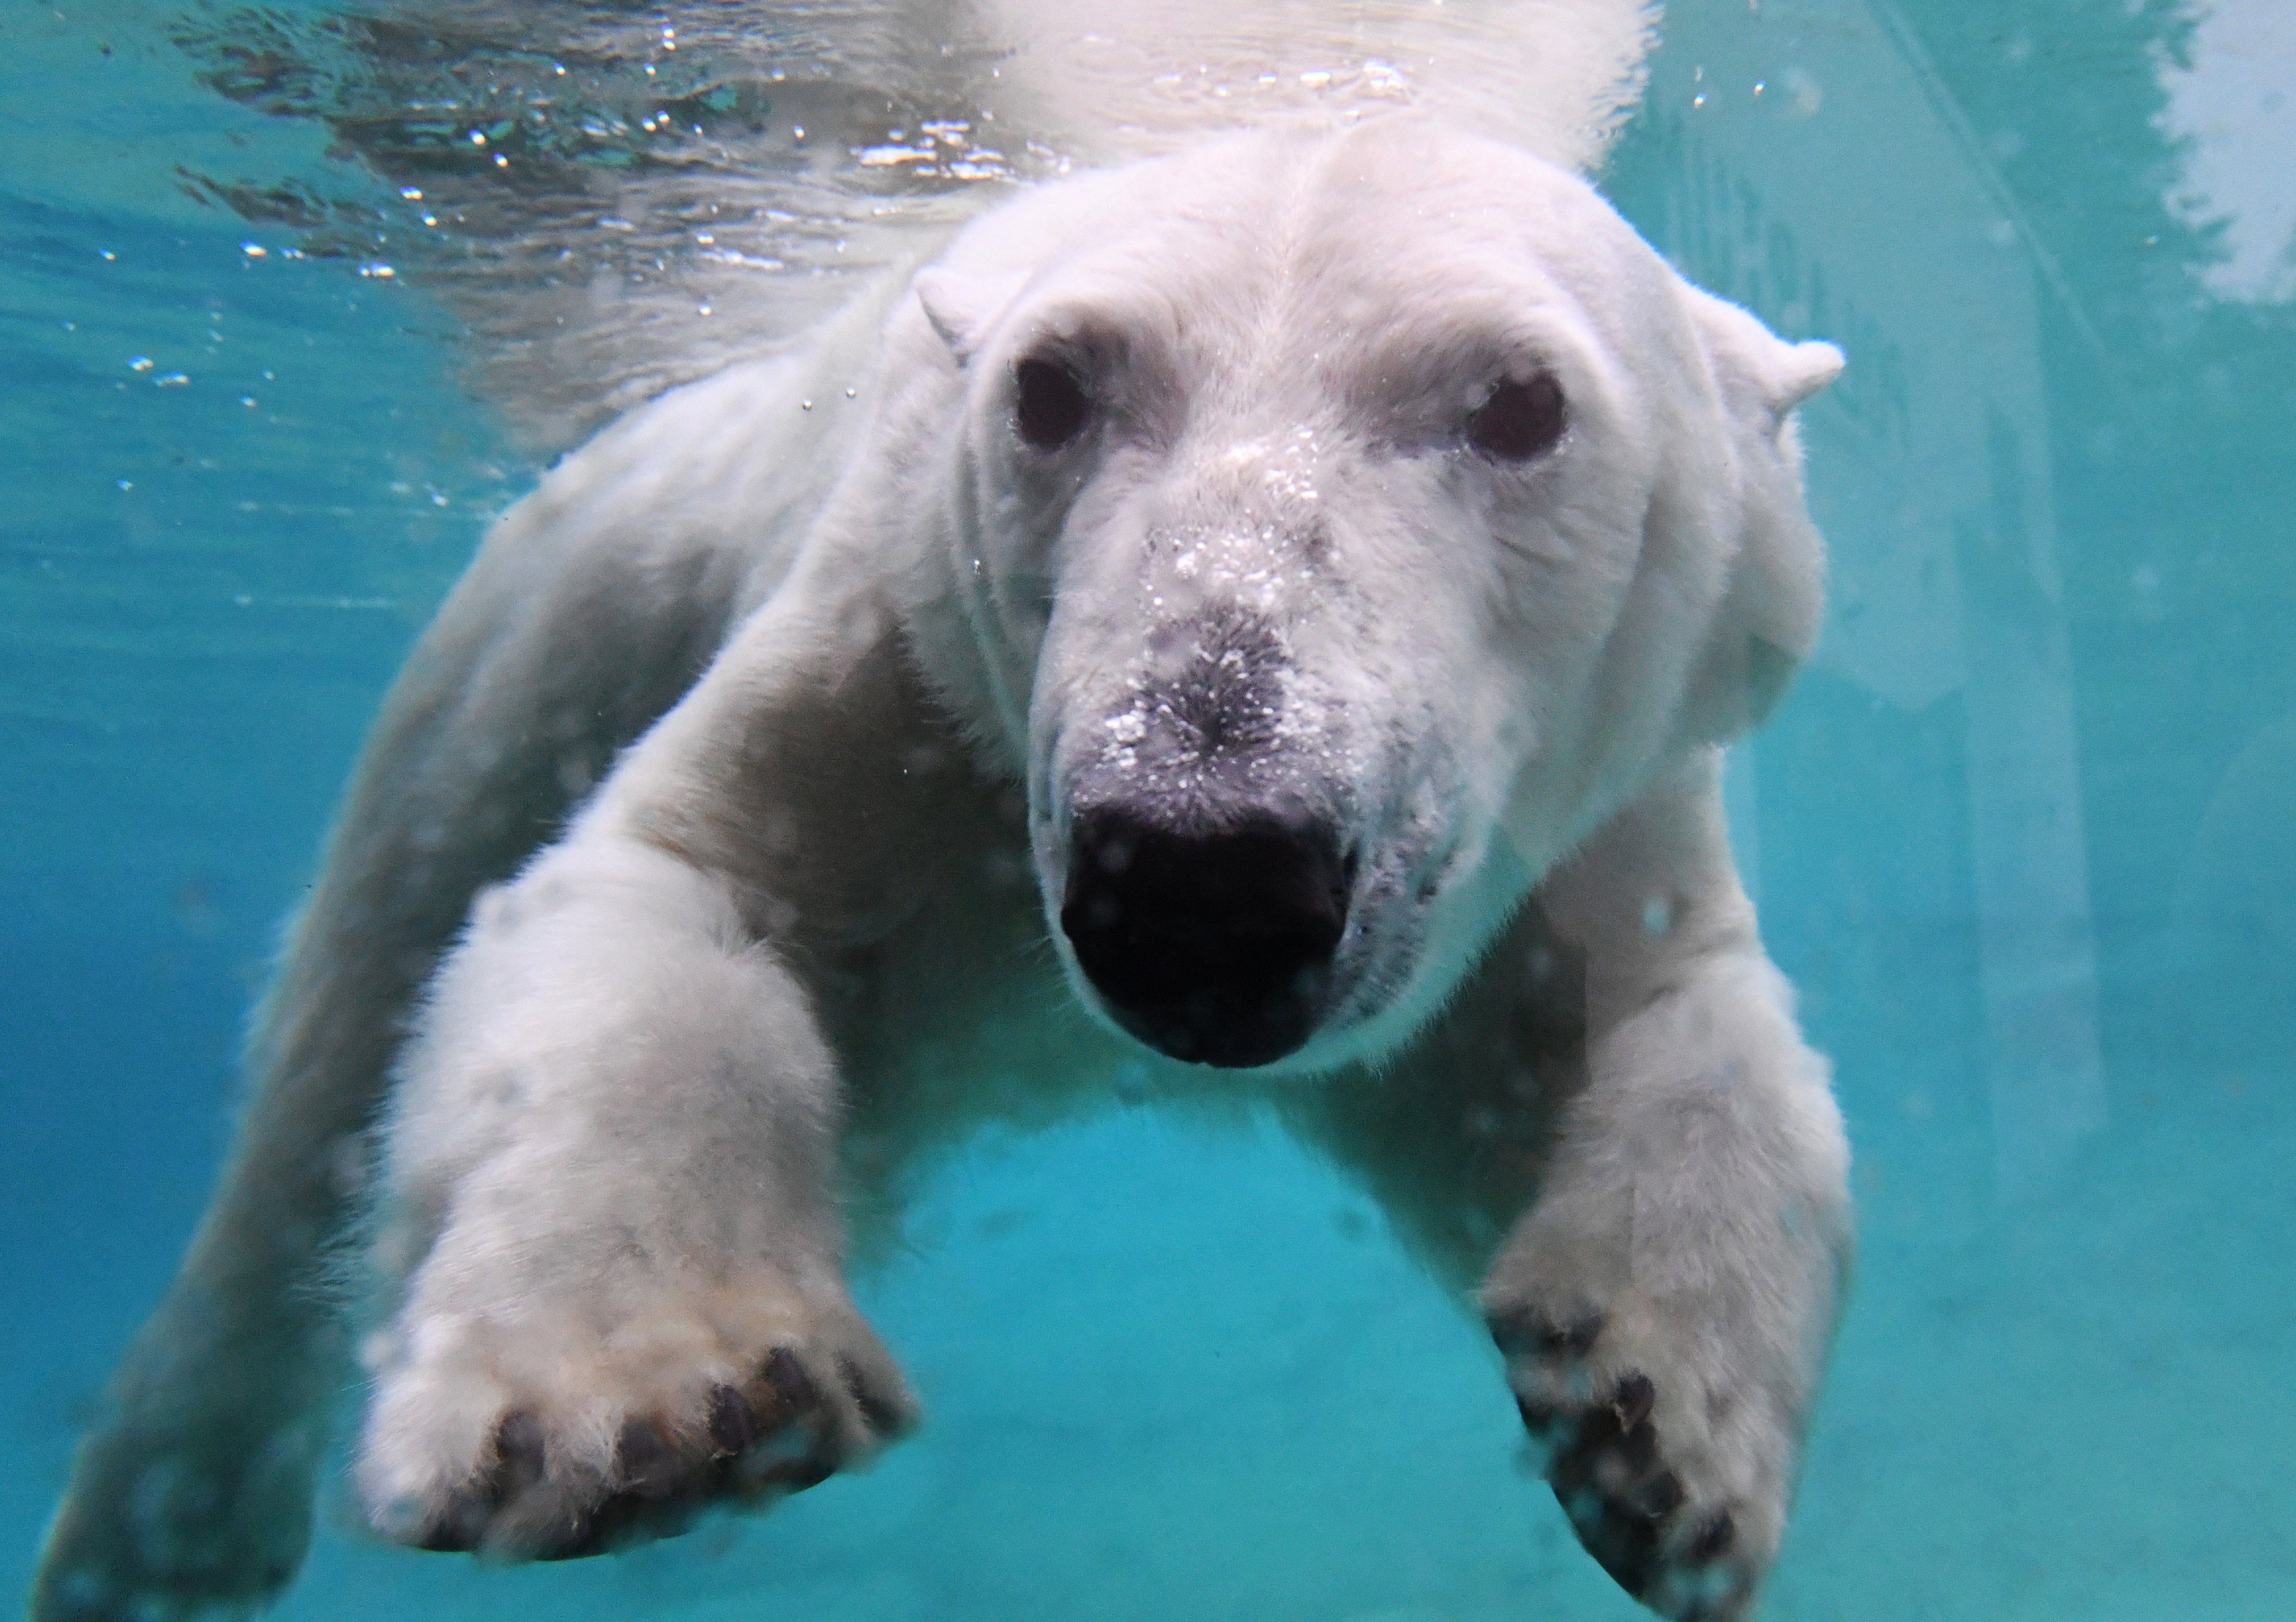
(1343, 525)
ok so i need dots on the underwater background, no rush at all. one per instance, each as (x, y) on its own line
(2022, 834)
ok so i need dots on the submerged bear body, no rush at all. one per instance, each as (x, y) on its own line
(1268, 615)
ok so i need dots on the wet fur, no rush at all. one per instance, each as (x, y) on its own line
(796, 936)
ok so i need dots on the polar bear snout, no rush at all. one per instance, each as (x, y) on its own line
(1212, 943)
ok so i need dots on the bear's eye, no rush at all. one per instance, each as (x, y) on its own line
(1519, 421)
(1049, 406)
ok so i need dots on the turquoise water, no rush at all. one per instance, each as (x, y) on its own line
(2020, 834)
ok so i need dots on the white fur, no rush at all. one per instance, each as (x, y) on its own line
(606, 1169)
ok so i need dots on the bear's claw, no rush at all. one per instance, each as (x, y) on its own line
(1609, 1468)
(542, 1488)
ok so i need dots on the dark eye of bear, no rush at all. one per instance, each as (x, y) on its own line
(1049, 406)
(1519, 421)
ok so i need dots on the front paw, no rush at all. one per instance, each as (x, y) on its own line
(1670, 1403)
(549, 1431)
(1650, 1488)
(179, 1515)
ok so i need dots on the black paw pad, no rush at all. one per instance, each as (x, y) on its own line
(519, 1456)
(734, 1425)
(1630, 1404)
(1630, 1510)
(645, 1463)
(516, 1469)
(786, 1378)
(777, 1432)
(621, 1520)
(776, 1435)
(885, 1418)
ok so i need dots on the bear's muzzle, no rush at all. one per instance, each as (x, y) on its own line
(1209, 941)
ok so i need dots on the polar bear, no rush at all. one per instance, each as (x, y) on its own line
(1272, 610)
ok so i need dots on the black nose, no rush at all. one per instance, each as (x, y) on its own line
(1211, 945)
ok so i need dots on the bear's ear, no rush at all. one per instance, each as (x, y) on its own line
(1768, 618)
(963, 308)
(1762, 376)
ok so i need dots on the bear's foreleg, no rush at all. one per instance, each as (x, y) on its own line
(1666, 1303)
(609, 1229)
(609, 1193)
